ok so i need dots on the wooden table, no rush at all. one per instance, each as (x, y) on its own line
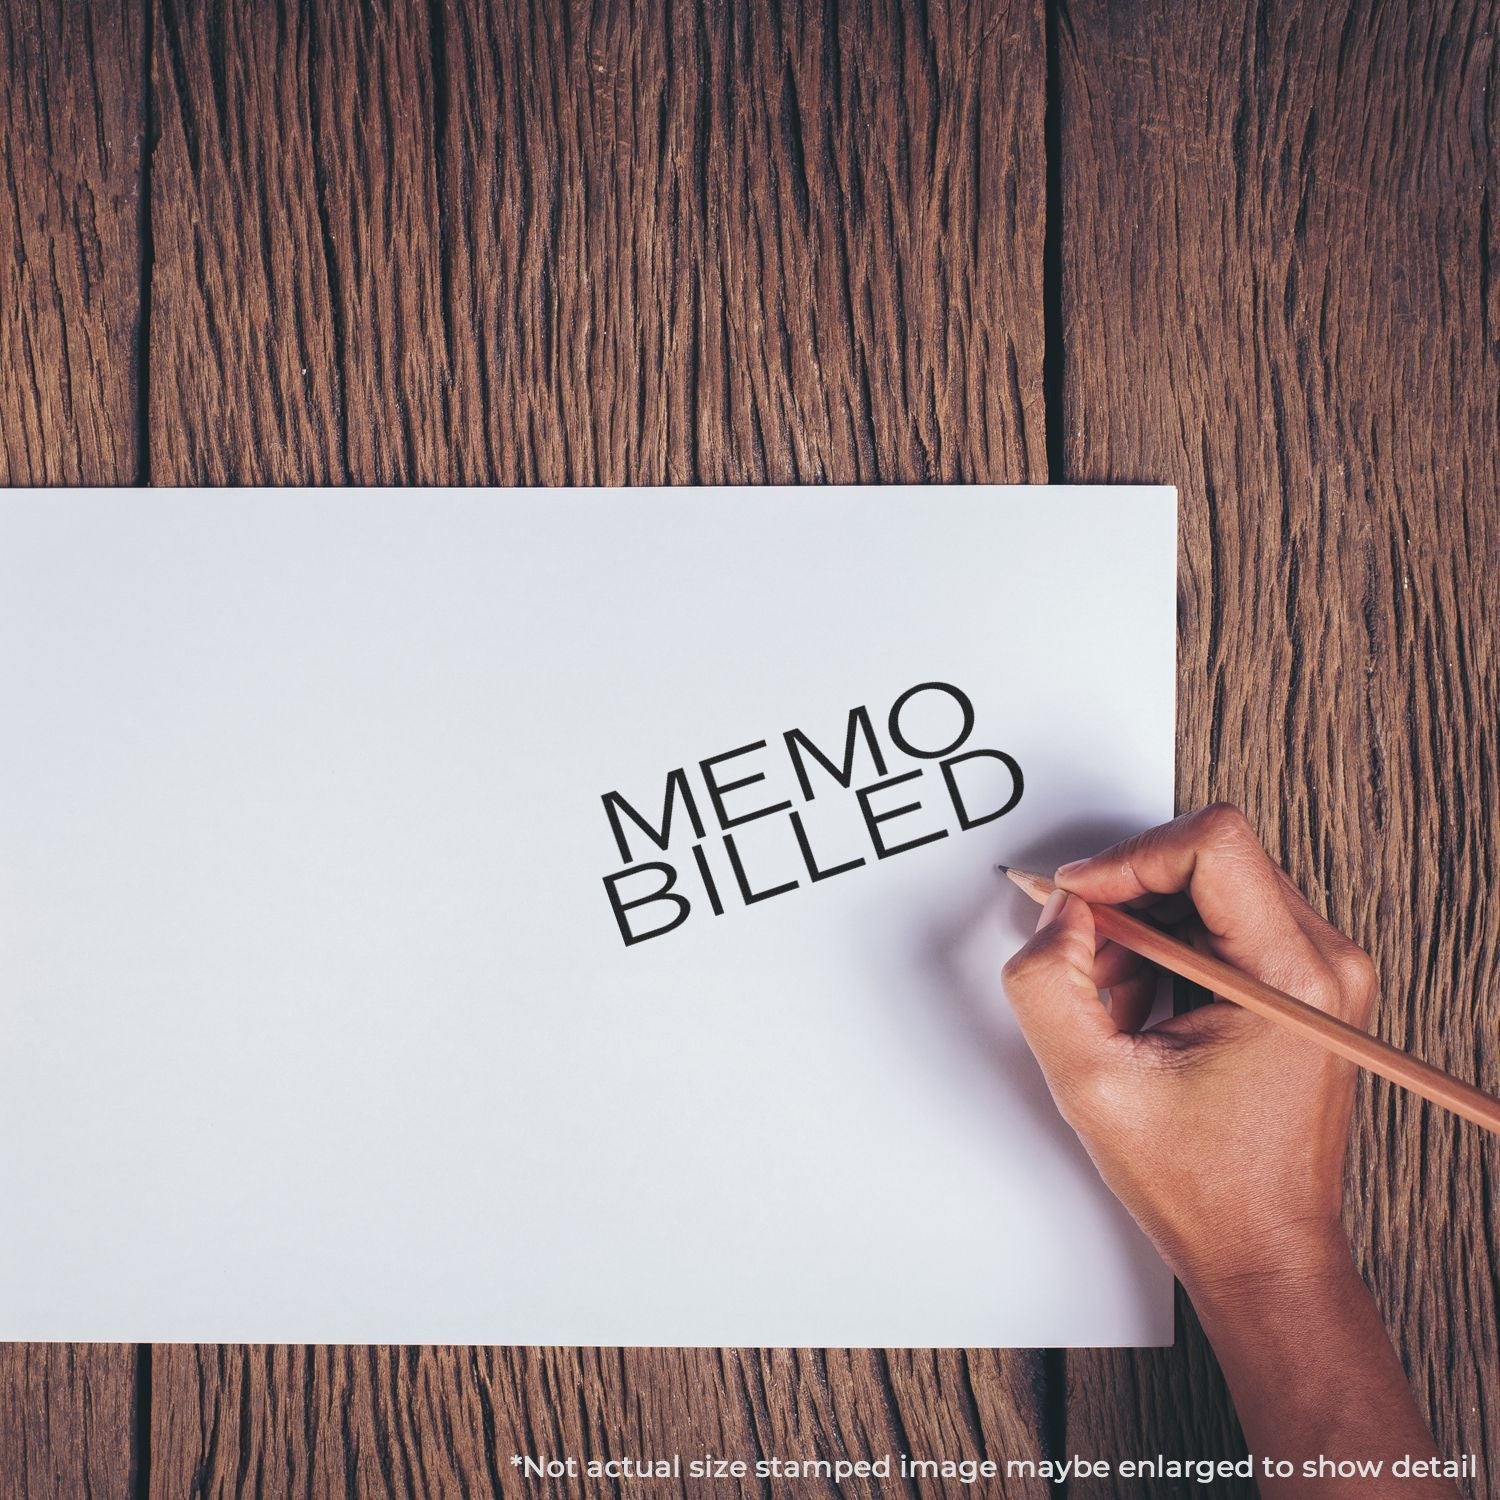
(1249, 249)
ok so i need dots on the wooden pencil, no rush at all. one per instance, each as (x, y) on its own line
(1285, 1010)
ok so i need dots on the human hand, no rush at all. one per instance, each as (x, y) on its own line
(1221, 1133)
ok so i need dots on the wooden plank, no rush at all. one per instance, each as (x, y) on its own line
(72, 118)
(1280, 293)
(69, 1422)
(244, 337)
(72, 103)
(441, 1421)
(590, 244)
(762, 250)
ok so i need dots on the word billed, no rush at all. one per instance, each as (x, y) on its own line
(896, 812)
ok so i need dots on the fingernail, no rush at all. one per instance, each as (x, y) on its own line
(1051, 908)
(1071, 868)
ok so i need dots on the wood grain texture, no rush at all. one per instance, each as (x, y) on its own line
(1280, 293)
(588, 244)
(72, 117)
(72, 97)
(754, 244)
(68, 1421)
(445, 1421)
(597, 244)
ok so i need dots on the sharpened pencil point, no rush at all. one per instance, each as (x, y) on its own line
(1003, 869)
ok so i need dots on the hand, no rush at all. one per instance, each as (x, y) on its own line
(1221, 1133)
(1224, 1135)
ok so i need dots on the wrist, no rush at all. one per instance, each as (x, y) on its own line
(1300, 1263)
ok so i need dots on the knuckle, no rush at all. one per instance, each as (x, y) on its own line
(1356, 973)
(1022, 967)
(1037, 956)
(1226, 824)
(1322, 989)
(1128, 866)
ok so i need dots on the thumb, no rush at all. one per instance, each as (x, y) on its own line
(1051, 988)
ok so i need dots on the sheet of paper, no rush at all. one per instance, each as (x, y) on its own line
(334, 1003)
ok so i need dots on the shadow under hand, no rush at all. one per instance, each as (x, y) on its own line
(976, 1001)
(963, 958)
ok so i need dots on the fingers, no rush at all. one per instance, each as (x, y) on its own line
(1130, 981)
(1051, 988)
(1131, 1000)
(1167, 911)
(1114, 964)
(1244, 901)
(1211, 854)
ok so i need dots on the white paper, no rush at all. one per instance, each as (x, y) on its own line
(318, 1024)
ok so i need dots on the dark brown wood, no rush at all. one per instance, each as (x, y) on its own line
(446, 1421)
(72, 114)
(592, 244)
(72, 118)
(68, 1421)
(1280, 293)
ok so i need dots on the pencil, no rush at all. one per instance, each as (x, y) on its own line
(1339, 1037)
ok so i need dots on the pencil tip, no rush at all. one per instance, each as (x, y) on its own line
(1003, 869)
